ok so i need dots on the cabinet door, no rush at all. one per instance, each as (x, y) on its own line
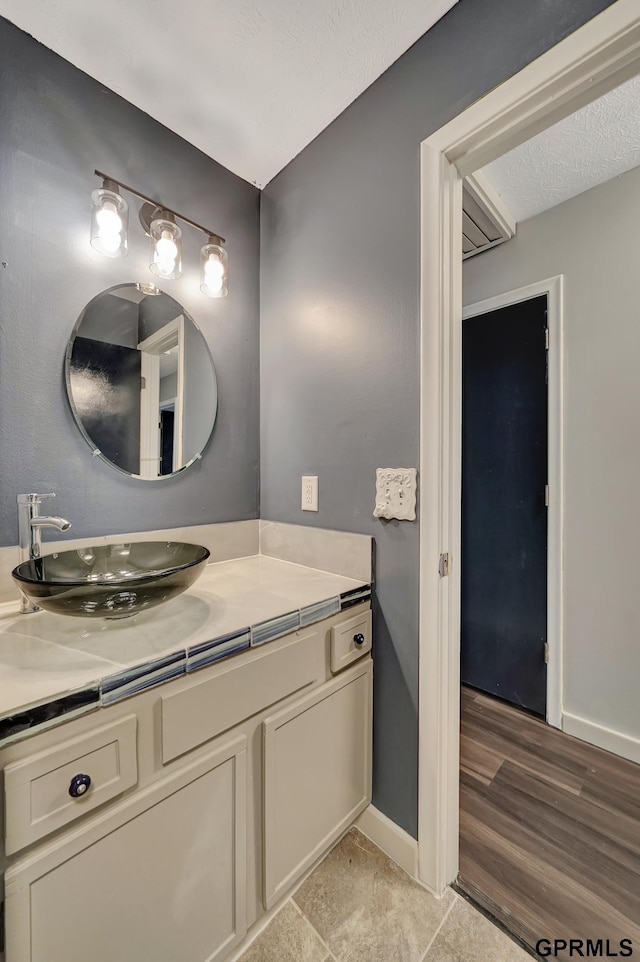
(160, 876)
(317, 774)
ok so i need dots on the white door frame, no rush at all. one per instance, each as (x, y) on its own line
(165, 338)
(552, 287)
(599, 56)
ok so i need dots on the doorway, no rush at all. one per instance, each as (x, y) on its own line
(504, 502)
(167, 436)
(162, 404)
(549, 824)
(547, 295)
(597, 58)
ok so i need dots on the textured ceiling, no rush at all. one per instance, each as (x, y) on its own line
(249, 83)
(588, 148)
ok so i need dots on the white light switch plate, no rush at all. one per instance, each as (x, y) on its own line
(309, 493)
(396, 494)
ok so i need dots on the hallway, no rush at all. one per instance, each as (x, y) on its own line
(549, 828)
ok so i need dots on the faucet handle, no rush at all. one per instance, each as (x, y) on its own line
(33, 498)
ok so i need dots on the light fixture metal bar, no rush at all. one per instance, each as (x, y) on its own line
(161, 206)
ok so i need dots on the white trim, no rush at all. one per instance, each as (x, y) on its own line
(486, 247)
(599, 56)
(489, 200)
(178, 428)
(393, 840)
(166, 337)
(596, 58)
(552, 287)
(612, 741)
(149, 434)
(439, 666)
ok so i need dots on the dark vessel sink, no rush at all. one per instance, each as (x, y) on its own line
(111, 581)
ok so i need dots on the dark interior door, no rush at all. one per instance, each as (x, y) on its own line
(504, 518)
(167, 423)
(105, 384)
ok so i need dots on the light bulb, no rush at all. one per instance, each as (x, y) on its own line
(165, 265)
(110, 241)
(213, 268)
(166, 248)
(109, 227)
(108, 219)
(214, 284)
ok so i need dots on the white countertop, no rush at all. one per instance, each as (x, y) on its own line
(44, 656)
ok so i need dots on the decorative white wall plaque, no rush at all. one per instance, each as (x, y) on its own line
(395, 494)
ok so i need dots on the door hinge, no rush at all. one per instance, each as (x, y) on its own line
(546, 652)
(443, 564)
(546, 338)
(546, 495)
(143, 382)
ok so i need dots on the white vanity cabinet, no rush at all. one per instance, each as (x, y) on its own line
(317, 775)
(210, 797)
(158, 876)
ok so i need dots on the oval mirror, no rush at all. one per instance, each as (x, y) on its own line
(141, 382)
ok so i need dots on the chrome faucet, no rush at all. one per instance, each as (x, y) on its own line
(30, 525)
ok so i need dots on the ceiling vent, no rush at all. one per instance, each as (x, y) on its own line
(486, 221)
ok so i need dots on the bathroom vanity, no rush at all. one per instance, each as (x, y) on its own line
(163, 823)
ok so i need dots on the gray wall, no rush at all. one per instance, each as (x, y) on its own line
(111, 319)
(57, 126)
(155, 312)
(168, 387)
(592, 241)
(339, 323)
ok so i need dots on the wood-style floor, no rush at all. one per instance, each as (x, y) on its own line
(549, 828)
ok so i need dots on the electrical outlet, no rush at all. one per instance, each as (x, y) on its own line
(310, 494)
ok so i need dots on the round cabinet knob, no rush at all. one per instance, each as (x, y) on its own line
(358, 639)
(80, 785)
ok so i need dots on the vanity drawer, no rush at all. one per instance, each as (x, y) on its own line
(345, 649)
(37, 789)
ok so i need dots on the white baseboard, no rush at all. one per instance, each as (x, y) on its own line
(612, 741)
(392, 839)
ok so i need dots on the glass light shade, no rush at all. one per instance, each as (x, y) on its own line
(166, 249)
(214, 270)
(109, 222)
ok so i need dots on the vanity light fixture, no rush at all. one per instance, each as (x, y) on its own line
(149, 289)
(109, 219)
(214, 262)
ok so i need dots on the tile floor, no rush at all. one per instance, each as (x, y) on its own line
(358, 906)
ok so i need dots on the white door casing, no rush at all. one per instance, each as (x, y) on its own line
(167, 337)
